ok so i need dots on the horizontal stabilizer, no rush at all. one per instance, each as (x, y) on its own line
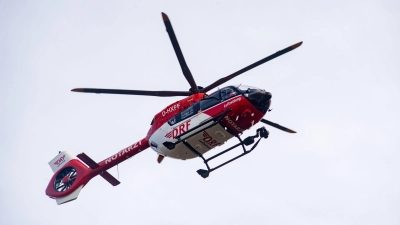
(108, 177)
(86, 159)
(93, 165)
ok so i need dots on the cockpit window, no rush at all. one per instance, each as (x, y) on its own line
(215, 95)
(228, 93)
(245, 88)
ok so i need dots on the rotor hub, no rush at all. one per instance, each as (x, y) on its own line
(65, 179)
(193, 91)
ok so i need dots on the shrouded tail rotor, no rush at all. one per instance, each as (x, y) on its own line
(70, 176)
(65, 179)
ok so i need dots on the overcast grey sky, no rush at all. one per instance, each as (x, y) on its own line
(339, 91)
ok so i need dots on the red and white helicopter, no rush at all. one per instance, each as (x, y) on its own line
(184, 130)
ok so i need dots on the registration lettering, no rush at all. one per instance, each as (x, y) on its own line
(170, 109)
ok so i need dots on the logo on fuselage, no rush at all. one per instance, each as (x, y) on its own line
(233, 124)
(59, 161)
(172, 121)
(233, 101)
(178, 130)
(208, 141)
(123, 151)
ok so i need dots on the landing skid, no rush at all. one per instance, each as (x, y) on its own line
(261, 133)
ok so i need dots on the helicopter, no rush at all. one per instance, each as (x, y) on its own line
(185, 129)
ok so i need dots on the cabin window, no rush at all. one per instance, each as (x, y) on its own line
(192, 110)
(189, 112)
(211, 100)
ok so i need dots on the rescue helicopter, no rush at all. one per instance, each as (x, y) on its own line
(185, 129)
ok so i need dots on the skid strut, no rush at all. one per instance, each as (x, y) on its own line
(261, 133)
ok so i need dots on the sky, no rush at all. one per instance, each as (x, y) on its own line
(339, 91)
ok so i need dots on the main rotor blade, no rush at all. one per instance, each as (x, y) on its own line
(277, 126)
(264, 60)
(132, 92)
(179, 55)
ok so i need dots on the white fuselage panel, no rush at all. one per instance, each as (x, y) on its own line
(202, 142)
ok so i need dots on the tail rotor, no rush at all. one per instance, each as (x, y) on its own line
(65, 179)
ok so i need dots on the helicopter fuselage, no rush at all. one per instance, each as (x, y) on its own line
(240, 108)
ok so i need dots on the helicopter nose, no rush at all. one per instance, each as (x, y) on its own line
(260, 99)
(260, 96)
(267, 96)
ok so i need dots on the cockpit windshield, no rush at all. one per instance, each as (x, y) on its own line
(245, 88)
(228, 92)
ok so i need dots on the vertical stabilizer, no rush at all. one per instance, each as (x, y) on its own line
(61, 159)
